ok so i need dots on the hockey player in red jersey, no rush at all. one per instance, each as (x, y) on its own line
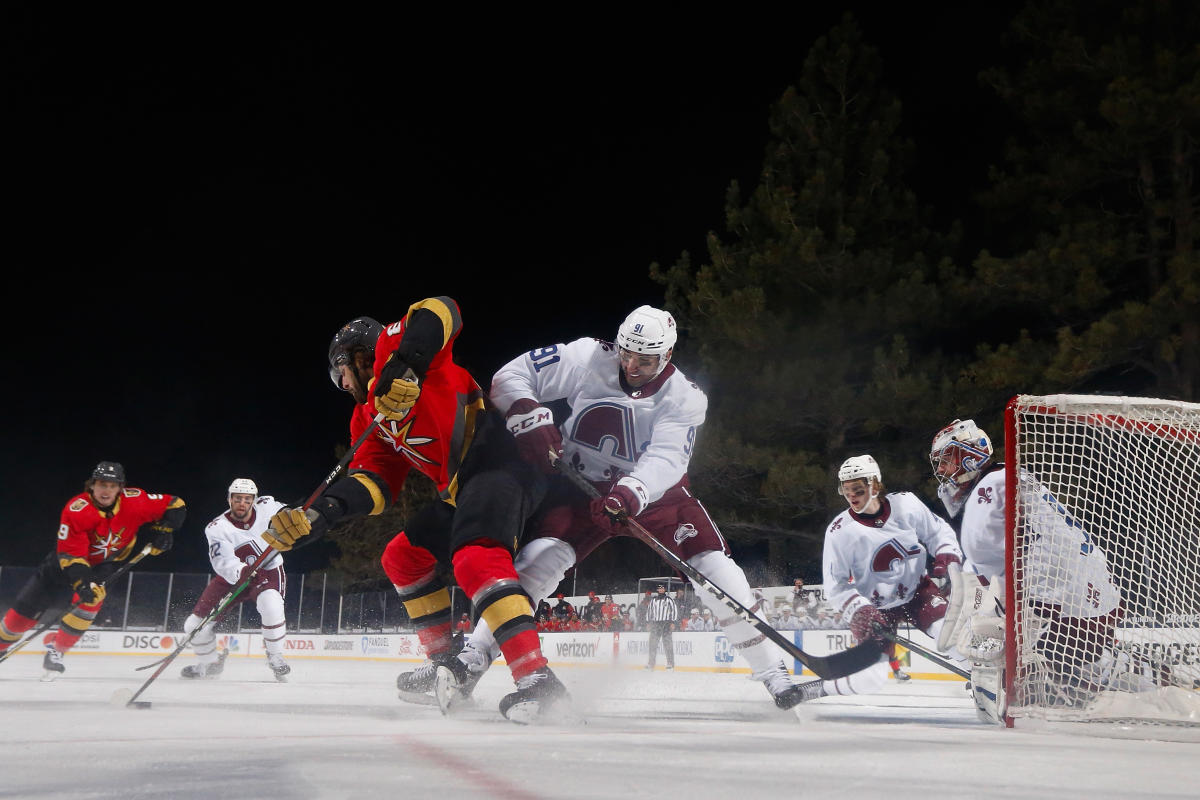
(99, 529)
(436, 421)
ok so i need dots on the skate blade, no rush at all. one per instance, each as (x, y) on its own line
(122, 698)
(447, 693)
(534, 713)
(50, 675)
(417, 698)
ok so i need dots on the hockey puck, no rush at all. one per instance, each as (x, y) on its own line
(124, 697)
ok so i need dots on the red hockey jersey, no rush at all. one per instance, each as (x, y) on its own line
(437, 432)
(88, 535)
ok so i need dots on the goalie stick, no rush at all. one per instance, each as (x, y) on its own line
(830, 667)
(266, 554)
(45, 626)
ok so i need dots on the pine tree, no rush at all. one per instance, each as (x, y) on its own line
(817, 320)
(1097, 285)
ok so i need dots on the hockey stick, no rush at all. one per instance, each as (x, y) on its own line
(227, 600)
(57, 618)
(925, 652)
(830, 667)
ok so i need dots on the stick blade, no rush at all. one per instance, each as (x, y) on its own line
(124, 697)
(846, 662)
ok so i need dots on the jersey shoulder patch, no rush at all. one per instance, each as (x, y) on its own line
(132, 492)
(79, 504)
(263, 499)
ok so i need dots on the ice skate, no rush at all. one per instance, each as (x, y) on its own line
(417, 686)
(784, 692)
(901, 675)
(540, 697)
(278, 666)
(207, 671)
(456, 678)
(53, 664)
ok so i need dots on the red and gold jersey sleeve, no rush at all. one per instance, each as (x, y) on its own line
(436, 434)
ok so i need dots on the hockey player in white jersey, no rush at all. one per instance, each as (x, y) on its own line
(234, 542)
(1067, 583)
(631, 432)
(874, 563)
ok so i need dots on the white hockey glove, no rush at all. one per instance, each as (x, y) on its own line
(982, 640)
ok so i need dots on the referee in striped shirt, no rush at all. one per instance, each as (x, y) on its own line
(661, 614)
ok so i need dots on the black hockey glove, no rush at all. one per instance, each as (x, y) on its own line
(162, 537)
(89, 593)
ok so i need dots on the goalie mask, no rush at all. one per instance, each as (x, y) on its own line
(959, 453)
(357, 334)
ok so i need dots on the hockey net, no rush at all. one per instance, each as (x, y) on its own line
(1103, 526)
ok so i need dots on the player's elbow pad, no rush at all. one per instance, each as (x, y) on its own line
(360, 494)
(172, 519)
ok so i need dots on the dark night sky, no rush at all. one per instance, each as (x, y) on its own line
(197, 204)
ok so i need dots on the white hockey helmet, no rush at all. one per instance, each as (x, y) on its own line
(857, 467)
(960, 451)
(242, 486)
(648, 330)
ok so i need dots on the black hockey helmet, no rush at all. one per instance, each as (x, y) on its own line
(357, 334)
(109, 471)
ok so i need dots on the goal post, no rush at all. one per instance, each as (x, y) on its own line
(1103, 559)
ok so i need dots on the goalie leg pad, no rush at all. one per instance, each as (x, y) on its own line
(987, 690)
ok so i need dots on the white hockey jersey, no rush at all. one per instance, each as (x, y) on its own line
(646, 434)
(880, 560)
(232, 545)
(1062, 565)
(983, 527)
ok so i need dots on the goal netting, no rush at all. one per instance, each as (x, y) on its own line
(1103, 507)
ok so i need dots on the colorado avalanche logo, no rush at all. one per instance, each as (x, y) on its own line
(891, 555)
(685, 531)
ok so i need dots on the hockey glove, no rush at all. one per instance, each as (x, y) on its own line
(397, 389)
(162, 538)
(259, 576)
(89, 593)
(867, 623)
(941, 567)
(611, 511)
(292, 524)
(538, 439)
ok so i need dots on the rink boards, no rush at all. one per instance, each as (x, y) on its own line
(701, 652)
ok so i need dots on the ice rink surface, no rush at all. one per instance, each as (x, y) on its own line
(336, 730)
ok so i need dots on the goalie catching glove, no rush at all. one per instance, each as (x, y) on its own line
(397, 389)
(538, 439)
(290, 525)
